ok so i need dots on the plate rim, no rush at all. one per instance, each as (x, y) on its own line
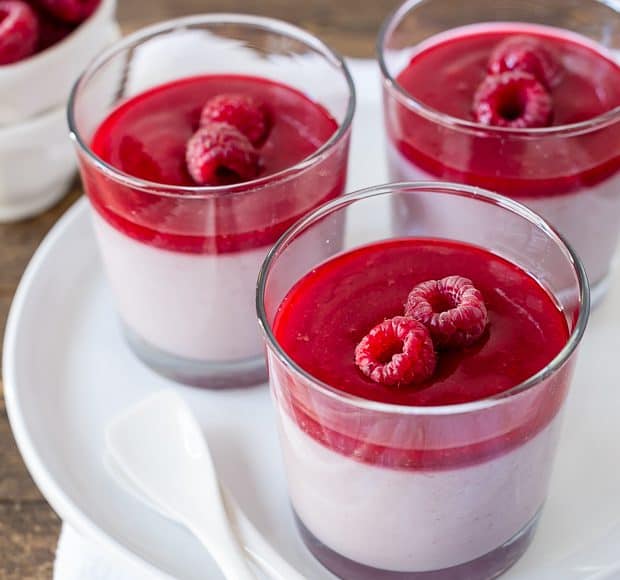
(52, 491)
(60, 501)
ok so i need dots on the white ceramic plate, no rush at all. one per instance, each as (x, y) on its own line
(67, 371)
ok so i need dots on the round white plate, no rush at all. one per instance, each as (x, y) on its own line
(67, 372)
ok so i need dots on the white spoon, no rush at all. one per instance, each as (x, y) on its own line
(157, 448)
(257, 547)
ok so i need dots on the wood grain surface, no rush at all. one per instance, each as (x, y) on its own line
(28, 527)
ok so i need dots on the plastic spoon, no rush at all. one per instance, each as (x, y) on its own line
(257, 547)
(160, 448)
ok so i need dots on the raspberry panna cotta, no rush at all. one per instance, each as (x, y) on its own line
(183, 265)
(420, 324)
(524, 110)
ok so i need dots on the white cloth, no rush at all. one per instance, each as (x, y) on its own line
(80, 559)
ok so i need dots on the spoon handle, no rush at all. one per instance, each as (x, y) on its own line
(257, 546)
(223, 546)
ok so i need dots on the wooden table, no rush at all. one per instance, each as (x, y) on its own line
(28, 527)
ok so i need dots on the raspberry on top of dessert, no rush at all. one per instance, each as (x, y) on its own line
(536, 67)
(225, 148)
(155, 135)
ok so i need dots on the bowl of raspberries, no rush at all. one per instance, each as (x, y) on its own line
(44, 46)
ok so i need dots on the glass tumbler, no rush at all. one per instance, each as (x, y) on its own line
(569, 174)
(187, 308)
(451, 492)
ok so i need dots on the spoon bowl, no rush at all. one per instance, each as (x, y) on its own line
(148, 439)
(159, 447)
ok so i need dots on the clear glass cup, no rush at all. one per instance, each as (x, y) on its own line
(579, 193)
(454, 492)
(188, 312)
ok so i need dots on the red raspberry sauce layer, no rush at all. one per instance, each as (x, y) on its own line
(327, 312)
(332, 308)
(445, 75)
(146, 137)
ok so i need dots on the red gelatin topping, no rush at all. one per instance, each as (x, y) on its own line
(513, 99)
(147, 135)
(398, 351)
(328, 312)
(445, 75)
(452, 308)
(300, 126)
(588, 86)
(19, 31)
(219, 154)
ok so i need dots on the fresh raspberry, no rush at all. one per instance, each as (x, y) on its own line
(527, 55)
(452, 308)
(73, 11)
(399, 351)
(219, 154)
(513, 99)
(19, 31)
(242, 111)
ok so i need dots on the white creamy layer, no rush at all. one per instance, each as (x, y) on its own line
(589, 218)
(414, 521)
(195, 306)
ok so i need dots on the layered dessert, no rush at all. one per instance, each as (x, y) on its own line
(523, 110)
(28, 27)
(215, 158)
(396, 467)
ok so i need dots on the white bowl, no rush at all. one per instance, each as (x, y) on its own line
(43, 81)
(37, 165)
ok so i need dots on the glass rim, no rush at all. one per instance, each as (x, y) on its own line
(442, 188)
(206, 192)
(402, 95)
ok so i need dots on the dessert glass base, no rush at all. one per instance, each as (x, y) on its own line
(486, 567)
(198, 373)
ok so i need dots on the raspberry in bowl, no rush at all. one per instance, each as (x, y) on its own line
(419, 381)
(194, 167)
(525, 103)
(44, 46)
(41, 55)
